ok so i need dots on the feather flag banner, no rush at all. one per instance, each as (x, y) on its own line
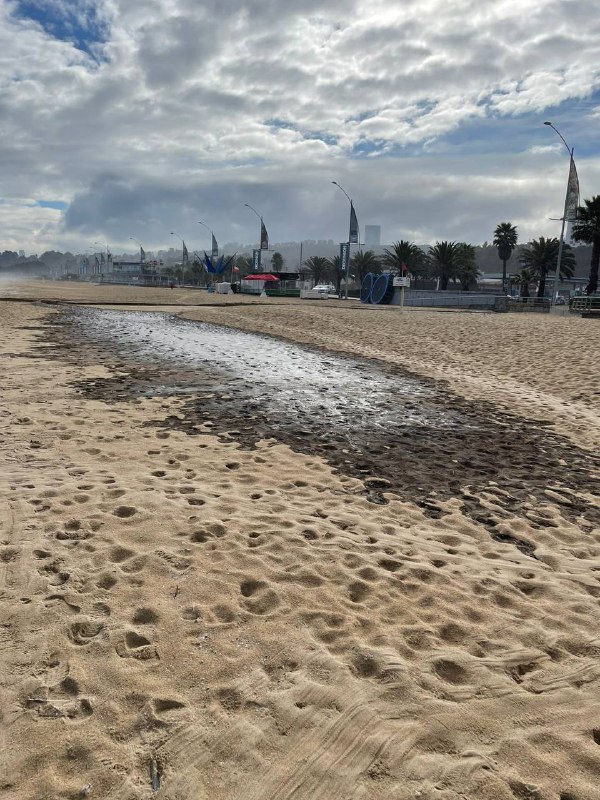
(353, 239)
(572, 202)
(264, 236)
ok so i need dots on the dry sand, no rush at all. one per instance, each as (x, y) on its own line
(245, 624)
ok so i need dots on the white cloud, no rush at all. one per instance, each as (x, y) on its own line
(173, 122)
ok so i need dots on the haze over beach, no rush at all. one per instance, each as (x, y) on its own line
(318, 520)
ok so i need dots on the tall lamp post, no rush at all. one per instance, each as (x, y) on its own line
(347, 265)
(142, 253)
(104, 245)
(87, 260)
(570, 151)
(213, 240)
(261, 231)
(182, 255)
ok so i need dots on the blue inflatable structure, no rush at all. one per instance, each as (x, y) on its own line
(366, 288)
(377, 289)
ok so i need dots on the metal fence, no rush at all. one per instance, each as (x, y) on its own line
(586, 306)
(540, 304)
(429, 298)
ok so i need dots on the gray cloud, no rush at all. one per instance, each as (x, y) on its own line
(174, 122)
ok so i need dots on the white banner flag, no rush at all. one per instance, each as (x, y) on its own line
(572, 202)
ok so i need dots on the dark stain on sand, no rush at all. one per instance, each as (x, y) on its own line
(401, 434)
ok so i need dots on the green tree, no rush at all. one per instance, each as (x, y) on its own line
(587, 230)
(198, 270)
(320, 268)
(334, 271)
(363, 262)
(466, 265)
(443, 261)
(505, 239)
(541, 255)
(277, 262)
(244, 264)
(408, 253)
(524, 279)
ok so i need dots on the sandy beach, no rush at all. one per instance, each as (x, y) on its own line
(205, 597)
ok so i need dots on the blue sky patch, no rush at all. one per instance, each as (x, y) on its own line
(77, 22)
(58, 205)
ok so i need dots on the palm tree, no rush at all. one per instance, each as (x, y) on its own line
(442, 257)
(505, 239)
(466, 265)
(319, 267)
(524, 279)
(407, 253)
(335, 270)
(363, 262)
(587, 229)
(541, 255)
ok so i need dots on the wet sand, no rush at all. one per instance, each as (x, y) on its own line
(202, 595)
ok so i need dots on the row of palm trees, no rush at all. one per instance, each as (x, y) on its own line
(456, 261)
(540, 256)
(444, 261)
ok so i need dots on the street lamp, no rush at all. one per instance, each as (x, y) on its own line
(107, 251)
(104, 245)
(255, 211)
(141, 247)
(142, 253)
(173, 233)
(261, 233)
(87, 260)
(213, 240)
(347, 265)
(570, 150)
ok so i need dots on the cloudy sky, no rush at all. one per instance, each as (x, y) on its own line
(124, 118)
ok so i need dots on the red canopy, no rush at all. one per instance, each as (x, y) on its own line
(259, 277)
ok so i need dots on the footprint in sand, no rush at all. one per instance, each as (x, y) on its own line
(54, 574)
(73, 532)
(145, 616)
(192, 614)
(124, 512)
(450, 672)
(260, 597)
(166, 709)
(83, 631)
(224, 613)
(119, 554)
(178, 562)
(106, 581)
(358, 591)
(135, 645)
(230, 698)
